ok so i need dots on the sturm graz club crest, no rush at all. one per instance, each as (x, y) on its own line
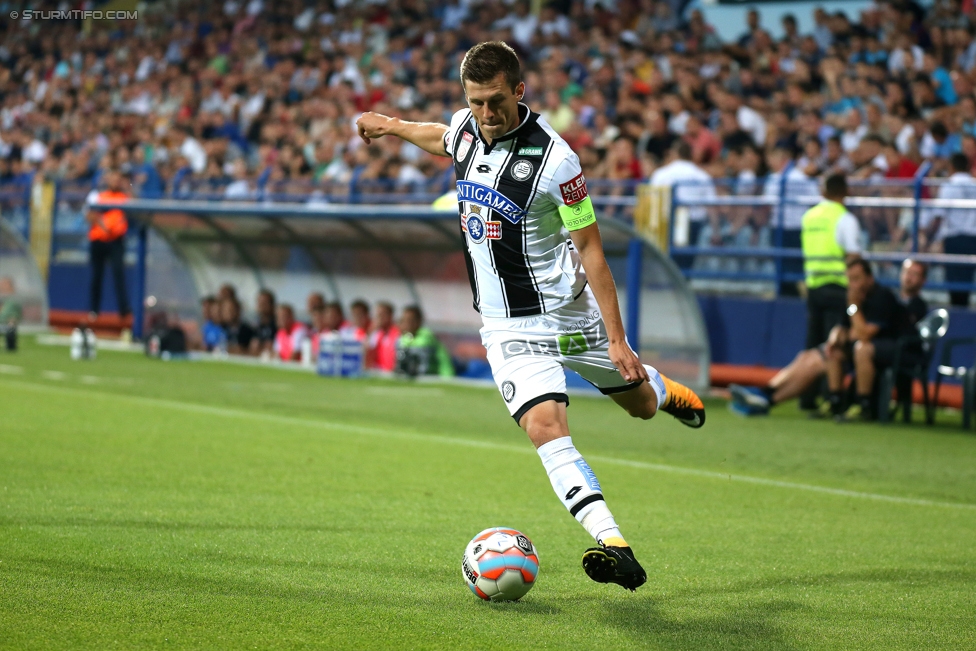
(508, 390)
(522, 169)
(523, 544)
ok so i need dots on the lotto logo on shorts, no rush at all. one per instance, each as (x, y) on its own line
(573, 190)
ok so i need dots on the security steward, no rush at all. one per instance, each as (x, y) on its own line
(830, 236)
(106, 235)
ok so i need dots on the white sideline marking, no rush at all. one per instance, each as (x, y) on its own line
(7, 369)
(54, 375)
(450, 440)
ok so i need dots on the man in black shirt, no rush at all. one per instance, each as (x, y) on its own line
(912, 279)
(876, 320)
(239, 333)
(660, 140)
(263, 342)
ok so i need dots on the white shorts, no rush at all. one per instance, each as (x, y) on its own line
(528, 354)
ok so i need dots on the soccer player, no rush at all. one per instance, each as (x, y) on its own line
(542, 285)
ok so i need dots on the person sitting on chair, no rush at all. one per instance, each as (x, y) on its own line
(877, 319)
(810, 365)
(912, 279)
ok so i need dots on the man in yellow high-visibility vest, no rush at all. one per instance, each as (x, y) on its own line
(831, 237)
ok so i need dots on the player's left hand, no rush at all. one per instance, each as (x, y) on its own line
(627, 362)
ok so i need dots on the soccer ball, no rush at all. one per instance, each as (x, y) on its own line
(500, 564)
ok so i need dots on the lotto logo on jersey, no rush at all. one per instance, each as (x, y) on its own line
(573, 190)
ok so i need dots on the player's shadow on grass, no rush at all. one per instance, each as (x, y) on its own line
(754, 624)
(748, 627)
(891, 576)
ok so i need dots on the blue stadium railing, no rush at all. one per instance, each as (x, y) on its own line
(877, 204)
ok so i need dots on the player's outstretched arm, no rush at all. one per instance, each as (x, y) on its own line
(588, 242)
(429, 136)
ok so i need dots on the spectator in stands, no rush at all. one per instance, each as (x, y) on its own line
(788, 180)
(876, 320)
(267, 326)
(240, 184)
(955, 227)
(238, 334)
(658, 139)
(693, 183)
(230, 93)
(419, 352)
(836, 160)
(382, 342)
(291, 335)
(212, 330)
(106, 235)
(361, 323)
(705, 147)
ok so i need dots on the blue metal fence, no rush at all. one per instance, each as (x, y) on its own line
(891, 214)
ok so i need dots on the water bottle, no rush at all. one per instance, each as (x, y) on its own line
(77, 343)
(307, 353)
(90, 343)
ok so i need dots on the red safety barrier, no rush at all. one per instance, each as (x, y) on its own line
(950, 395)
(106, 325)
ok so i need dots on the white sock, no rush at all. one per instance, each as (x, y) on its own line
(579, 490)
(657, 383)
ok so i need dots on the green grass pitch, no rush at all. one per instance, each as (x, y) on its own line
(184, 505)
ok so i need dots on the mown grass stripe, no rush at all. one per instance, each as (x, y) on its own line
(451, 440)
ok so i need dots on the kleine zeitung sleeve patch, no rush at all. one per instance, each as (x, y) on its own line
(573, 190)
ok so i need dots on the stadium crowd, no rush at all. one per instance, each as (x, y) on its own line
(406, 346)
(256, 99)
(228, 97)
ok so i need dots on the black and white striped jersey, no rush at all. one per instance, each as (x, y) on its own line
(520, 259)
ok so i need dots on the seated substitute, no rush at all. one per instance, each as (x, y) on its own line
(11, 313)
(267, 325)
(212, 331)
(877, 320)
(290, 336)
(912, 279)
(238, 334)
(810, 365)
(381, 345)
(418, 350)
